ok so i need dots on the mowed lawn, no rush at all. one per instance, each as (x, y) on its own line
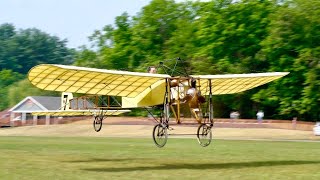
(131, 158)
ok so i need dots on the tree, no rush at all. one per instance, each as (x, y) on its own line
(228, 40)
(293, 46)
(6, 31)
(7, 77)
(23, 49)
(113, 46)
(7, 45)
(229, 37)
(21, 89)
(156, 24)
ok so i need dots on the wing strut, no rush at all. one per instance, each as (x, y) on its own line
(210, 103)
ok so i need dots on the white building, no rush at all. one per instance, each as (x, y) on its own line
(22, 112)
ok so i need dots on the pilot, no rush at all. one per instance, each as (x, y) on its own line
(152, 70)
(193, 96)
(192, 90)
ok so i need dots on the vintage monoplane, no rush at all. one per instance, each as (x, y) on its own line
(138, 89)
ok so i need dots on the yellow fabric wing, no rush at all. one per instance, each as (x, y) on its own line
(79, 112)
(91, 80)
(235, 83)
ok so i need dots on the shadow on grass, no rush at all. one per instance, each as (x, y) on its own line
(103, 160)
(204, 166)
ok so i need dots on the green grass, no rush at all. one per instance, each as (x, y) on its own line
(129, 158)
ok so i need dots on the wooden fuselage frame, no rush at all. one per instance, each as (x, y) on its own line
(83, 103)
(171, 102)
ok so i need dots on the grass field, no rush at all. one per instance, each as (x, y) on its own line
(132, 158)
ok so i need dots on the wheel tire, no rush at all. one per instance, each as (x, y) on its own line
(204, 135)
(160, 135)
(97, 123)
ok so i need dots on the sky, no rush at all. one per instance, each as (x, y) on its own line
(73, 20)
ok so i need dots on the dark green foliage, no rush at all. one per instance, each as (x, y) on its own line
(293, 45)
(20, 50)
(7, 77)
(23, 49)
(21, 89)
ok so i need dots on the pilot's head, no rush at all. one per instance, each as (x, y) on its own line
(152, 69)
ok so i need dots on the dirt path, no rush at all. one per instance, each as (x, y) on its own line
(143, 128)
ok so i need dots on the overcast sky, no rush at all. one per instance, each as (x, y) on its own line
(74, 20)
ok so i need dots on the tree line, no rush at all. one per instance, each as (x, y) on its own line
(20, 50)
(216, 37)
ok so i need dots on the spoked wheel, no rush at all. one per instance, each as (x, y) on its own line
(160, 135)
(204, 135)
(97, 123)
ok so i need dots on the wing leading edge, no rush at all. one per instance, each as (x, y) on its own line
(91, 80)
(235, 83)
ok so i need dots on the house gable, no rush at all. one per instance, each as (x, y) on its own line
(28, 105)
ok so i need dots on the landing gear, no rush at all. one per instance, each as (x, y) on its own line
(160, 134)
(160, 131)
(204, 134)
(97, 123)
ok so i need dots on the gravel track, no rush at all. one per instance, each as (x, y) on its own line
(142, 127)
